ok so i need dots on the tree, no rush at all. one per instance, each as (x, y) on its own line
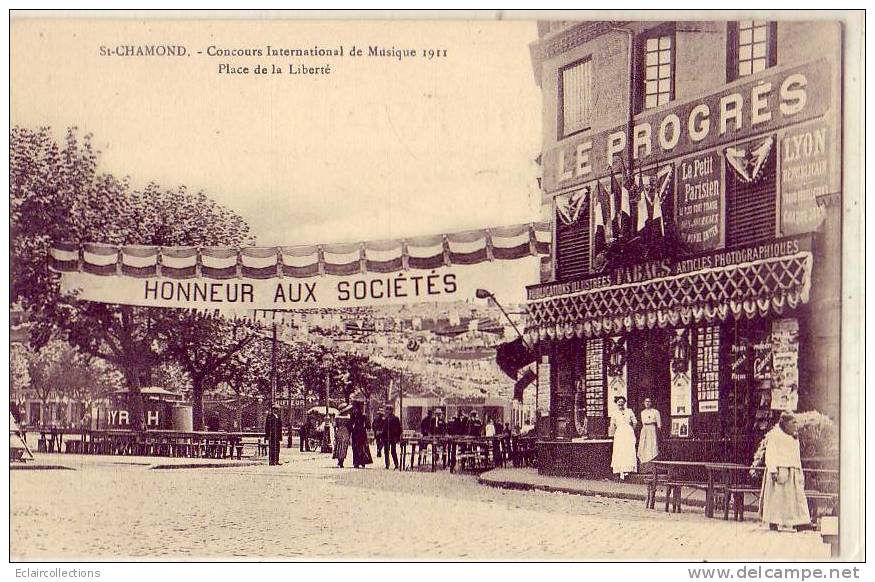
(204, 346)
(57, 194)
(19, 375)
(57, 369)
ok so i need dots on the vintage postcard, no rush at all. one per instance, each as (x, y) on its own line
(315, 287)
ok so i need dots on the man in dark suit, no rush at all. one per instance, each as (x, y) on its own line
(392, 435)
(304, 434)
(273, 433)
(379, 426)
(426, 427)
(475, 427)
(454, 427)
(440, 425)
(464, 425)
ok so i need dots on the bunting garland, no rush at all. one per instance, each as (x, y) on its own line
(220, 263)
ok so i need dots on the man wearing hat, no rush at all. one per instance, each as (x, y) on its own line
(392, 435)
(273, 434)
(475, 427)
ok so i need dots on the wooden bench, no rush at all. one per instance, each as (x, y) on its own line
(681, 474)
(735, 495)
(654, 479)
(674, 491)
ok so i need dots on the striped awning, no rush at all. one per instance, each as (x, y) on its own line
(770, 284)
(426, 252)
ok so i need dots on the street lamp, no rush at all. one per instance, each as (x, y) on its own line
(326, 436)
(487, 294)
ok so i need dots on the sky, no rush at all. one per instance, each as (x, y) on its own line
(380, 148)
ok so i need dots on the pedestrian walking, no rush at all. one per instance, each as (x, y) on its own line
(783, 504)
(392, 436)
(304, 434)
(358, 434)
(273, 433)
(341, 436)
(651, 424)
(623, 457)
(379, 425)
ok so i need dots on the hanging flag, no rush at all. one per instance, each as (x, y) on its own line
(626, 207)
(644, 205)
(608, 212)
(600, 239)
(748, 162)
(658, 225)
(663, 181)
(616, 208)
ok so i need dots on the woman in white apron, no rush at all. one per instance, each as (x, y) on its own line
(648, 442)
(624, 458)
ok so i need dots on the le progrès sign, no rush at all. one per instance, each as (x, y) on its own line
(745, 109)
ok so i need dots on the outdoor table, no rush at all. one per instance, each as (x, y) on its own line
(820, 462)
(472, 447)
(821, 485)
(675, 481)
(163, 443)
(720, 479)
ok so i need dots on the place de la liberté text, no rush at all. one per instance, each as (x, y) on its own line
(230, 65)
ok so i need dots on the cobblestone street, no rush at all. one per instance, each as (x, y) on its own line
(306, 509)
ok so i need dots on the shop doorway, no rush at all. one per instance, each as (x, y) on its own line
(648, 358)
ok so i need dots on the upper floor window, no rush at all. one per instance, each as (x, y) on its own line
(751, 48)
(656, 54)
(575, 96)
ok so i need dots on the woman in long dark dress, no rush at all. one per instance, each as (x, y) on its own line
(358, 431)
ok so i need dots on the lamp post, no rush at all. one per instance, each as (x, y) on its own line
(412, 347)
(273, 366)
(487, 294)
(326, 436)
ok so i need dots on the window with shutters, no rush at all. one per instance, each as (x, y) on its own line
(751, 47)
(575, 97)
(751, 202)
(572, 243)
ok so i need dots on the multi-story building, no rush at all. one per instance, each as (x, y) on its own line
(694, 173)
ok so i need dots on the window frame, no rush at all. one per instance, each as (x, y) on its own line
(560, 118)
(732, 49)
(668, 29)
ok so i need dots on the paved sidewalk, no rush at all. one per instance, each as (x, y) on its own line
(307, 509)
(44, 461)
(529, 479)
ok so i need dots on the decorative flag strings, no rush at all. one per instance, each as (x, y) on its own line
(387, 256)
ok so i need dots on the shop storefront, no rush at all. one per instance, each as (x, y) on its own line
(702, 274)
(713, 340)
